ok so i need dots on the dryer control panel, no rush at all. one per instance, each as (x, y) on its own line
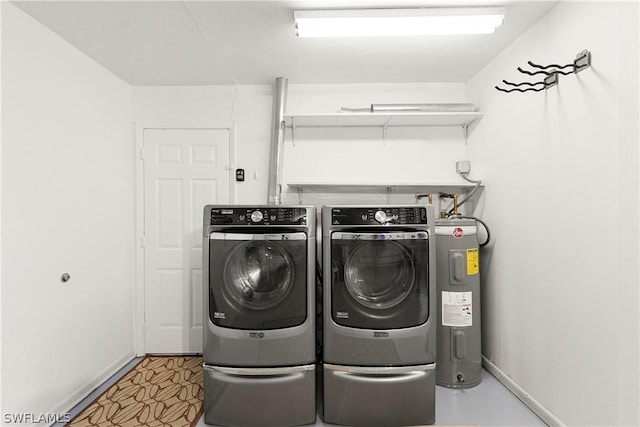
(258, 216)
(382, 215)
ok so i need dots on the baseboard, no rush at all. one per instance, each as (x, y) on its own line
(542, 412)
(70, 402)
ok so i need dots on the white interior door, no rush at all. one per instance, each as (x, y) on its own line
(184, 170)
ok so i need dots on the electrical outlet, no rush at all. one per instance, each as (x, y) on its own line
(463, 167)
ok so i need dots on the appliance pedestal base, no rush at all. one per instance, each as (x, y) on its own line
(259, 396)
(379, 396)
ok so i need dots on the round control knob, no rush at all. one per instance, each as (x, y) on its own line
(256, 216)
(381, 217)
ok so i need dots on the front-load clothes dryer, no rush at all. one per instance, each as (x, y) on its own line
(379, 322)
(259, 315)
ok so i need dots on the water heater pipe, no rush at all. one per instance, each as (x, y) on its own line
(277, 141)
(420, 196)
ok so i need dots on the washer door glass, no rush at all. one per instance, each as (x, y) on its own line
(379, 274)
(258, 274)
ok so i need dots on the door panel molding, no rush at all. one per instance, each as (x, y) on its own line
(138, 288)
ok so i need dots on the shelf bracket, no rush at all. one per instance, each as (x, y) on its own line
(465, 132)
(388, 195)
(385, 128)
(293, 132)
(384, 134)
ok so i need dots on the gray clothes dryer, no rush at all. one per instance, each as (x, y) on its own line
(379, 316)
(259, 315)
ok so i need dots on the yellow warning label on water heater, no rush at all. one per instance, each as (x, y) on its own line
(473, 266)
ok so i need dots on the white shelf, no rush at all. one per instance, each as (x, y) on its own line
(395, 188)
(364, 119)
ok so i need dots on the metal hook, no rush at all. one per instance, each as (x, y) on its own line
(529, 73)
(544, 67)
(549, 81)
(515, 89)
(551, 72)
(522, 84)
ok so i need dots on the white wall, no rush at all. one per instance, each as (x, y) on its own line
(560, 279)
(328, 155)
(245, 108)
(406, 155)
(67, 206)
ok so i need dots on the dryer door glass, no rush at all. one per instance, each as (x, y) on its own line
(258, 281)
(379, 274)
(379, 280)
(258, 274)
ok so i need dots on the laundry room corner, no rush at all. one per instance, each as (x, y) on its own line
(436, 225)
(561, 173)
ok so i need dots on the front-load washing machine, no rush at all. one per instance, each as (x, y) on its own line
(379, 325)
(259, 315)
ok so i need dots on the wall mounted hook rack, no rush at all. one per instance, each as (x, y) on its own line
(550, 71)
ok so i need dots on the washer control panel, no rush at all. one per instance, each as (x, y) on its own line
(258, 216)
(378, 215)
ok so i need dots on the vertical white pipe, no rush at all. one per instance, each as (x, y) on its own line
(277, 140)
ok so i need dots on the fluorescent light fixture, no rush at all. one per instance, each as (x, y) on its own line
(397, 22)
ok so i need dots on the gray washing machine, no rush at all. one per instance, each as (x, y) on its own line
(379, 323)
(259, 315)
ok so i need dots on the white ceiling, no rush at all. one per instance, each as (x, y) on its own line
(253, 42)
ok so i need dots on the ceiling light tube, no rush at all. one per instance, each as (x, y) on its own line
(397, 22)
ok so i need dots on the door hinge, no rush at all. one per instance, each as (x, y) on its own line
(142, 154)
(143, 241)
